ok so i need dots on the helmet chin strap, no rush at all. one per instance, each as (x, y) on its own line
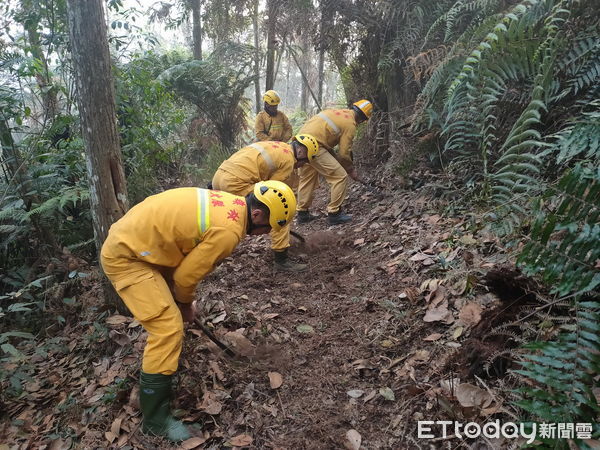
(250, 227)
(270, 110)
(294, 145)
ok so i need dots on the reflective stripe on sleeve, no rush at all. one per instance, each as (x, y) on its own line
(266, 157)
(333, 126)
(203, 212)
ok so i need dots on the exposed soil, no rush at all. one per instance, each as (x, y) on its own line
(348, 339)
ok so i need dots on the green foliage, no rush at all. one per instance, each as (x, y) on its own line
(461, 12)
(565, 234)
(580, 139)
(563, 250)
(216, 87)
(151, 124)
(524, 90)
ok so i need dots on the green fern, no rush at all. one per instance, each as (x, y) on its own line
(456, 13)
(216, 87)
(563, 250)
(73, 196)
(581, 139)
(575, 213)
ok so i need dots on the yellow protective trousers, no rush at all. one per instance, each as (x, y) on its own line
(224, 181)
(324, 163)
(148, 297)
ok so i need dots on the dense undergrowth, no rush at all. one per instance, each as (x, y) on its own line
(507, 107)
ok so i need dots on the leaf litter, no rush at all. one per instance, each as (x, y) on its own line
(398, 275)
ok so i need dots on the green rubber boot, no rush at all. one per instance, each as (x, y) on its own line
(282, 263)
(155, 399)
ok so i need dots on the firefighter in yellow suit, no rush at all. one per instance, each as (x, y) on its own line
(331, 127)
(268, 160)
(158, 252)
(272, 125)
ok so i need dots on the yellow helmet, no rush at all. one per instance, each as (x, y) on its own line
(280, 200)
(365, 106)
(311, 144)
(271, 98)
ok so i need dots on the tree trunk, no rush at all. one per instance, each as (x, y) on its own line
(321, 48)
(256, 57)
(197, 29)
(271, 41)
(96, 100)
(303, 66)
(305, 87)
(287, 81)
(47, 92)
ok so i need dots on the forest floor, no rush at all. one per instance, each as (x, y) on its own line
(394, 322)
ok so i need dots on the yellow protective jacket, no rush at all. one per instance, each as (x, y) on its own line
(188, 229)
(261, 161)
(334, 127)
(269, 128)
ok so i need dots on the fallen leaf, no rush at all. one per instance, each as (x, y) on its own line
(240, 342)
(120, 338)
(492, 409)
(193, 443)
(469, 396)
(387, 393)
(458, 331)
(353, 440)
(210, 404)
(216, 370)
(439, 314)
(470, 314)
(435, 218)
(220, 318)
(33, 386)
(302, 308)
(433, 337)
(450, 385)
(275, 380)
(117, 319)
(430, 284)
(57, 444)
(420, 356)
(419, 257)
(110, 436)
(355, 393)
(452, 255)
(387, 343)
(305, 329)
(359, 241)
(122, 440)
(241, 440)
(436, 296)
(459, 287)
(115, 428)
(270, 316)
(467, 239)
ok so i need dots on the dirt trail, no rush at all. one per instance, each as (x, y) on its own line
(338, 348)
